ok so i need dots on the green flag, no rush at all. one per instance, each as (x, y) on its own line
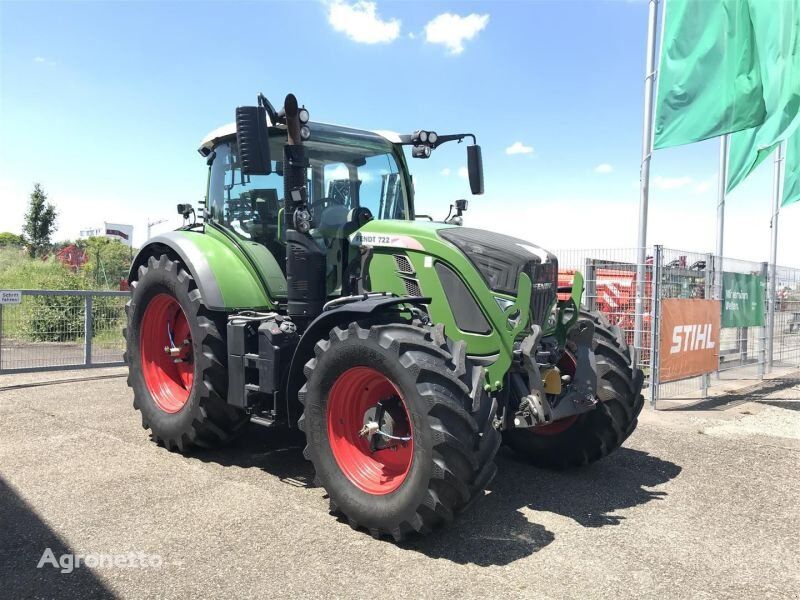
(791, 174)
(777, 32)
(709, 78)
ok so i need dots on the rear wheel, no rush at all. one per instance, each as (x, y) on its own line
(176, 356)
(579, 440)
(398, 426)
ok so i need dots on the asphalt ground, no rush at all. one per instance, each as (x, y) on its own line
(698, 504)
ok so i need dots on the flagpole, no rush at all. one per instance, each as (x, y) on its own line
(773, 256)
(644, 177)
(723, 179)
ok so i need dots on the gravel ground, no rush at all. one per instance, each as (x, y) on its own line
(698, 504)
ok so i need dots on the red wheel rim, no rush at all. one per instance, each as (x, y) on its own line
(169, 382)
(567, 366)
(355, 392)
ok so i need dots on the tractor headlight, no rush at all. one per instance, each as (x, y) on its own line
(432, 137)
(421, 152)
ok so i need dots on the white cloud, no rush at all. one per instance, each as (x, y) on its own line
(701, 187)
(463, 172)
(684, 183)
(38, 59)
(519, 148)
(340, 172)
(360, 22)
(603, 168)
(445, 171)
(452, 31)
(671, 183)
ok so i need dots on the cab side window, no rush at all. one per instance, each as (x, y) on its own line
(247, 204)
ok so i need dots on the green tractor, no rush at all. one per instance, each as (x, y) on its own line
(306, 293)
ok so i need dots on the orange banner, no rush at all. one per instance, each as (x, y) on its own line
(689, 338)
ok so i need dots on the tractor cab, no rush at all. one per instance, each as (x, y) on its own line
(352, 177)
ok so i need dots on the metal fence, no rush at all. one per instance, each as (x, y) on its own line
(62, 329)
(51, 330)
(746, 353)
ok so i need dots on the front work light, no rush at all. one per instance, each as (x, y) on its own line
(421, 152)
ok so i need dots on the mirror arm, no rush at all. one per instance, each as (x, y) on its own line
(443, 139)
(408, 140)
(271, 112)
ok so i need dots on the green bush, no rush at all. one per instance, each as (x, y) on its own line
(57, 318)
(42, 318)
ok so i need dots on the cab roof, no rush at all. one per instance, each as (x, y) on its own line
(229, 130)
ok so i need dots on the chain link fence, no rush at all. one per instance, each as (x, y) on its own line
(62, 329)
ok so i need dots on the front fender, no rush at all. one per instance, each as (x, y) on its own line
(320, 328)
(225, 278)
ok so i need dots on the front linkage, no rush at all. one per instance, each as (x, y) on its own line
(536, 408)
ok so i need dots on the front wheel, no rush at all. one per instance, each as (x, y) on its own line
(579, 440)
(398, 426)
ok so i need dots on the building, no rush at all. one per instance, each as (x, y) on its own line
(113, 231)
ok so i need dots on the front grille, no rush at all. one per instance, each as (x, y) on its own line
(412, 286)
(543, 289)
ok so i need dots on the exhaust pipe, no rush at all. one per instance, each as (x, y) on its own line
(305, 262)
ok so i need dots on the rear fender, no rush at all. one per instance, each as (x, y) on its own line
(225, 278)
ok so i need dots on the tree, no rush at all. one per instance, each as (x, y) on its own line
(109, 260)
(40, 222)
(10, 239)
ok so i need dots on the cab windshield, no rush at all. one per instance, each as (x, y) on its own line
(348, 169)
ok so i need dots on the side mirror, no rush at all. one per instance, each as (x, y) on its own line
(252, 138)
(475, 169)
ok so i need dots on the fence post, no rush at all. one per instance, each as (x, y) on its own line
(590, 284)
(762, 346)
(87, 330)
(655, 326)
(708, 293)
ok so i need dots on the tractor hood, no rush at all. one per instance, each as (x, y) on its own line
(498, 259)
(501, 259)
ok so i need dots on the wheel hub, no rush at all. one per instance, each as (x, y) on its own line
(369, 430)
(386, 425)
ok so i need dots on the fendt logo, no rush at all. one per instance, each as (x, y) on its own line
(687, 338)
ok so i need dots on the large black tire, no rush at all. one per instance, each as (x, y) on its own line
(205, 419)
(451, 417)
(598, 432)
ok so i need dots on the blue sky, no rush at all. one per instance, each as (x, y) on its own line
(105, 104)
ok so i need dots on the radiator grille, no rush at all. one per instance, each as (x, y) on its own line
(412, 286)
(403, 264)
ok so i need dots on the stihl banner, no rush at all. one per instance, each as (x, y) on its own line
(689, 338)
